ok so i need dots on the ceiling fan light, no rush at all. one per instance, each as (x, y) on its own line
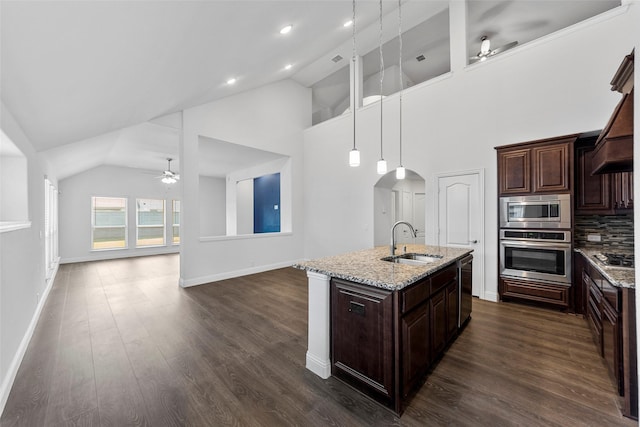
(382, 166)
(168, 180)
(354, 158)
(485, 46)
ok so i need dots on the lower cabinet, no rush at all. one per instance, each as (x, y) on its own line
(362, 337)
(610, 313)
(384, 342)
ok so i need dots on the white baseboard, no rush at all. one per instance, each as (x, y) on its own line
(185, 283)
(491, 296)
(116, 254)
(7, 383)
(321, 368)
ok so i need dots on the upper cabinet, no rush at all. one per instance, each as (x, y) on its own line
(614, 148)
(537, 167)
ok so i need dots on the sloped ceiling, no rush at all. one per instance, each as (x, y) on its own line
(83, 78)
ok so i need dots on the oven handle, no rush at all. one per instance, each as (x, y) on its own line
(547, 245)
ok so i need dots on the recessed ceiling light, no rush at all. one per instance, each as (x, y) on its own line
(286, 29)
(231, 81)
(348, 23)
(288, 66)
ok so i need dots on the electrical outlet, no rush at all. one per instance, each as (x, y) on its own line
(593, 238)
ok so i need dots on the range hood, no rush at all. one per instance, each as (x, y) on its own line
(614, 147)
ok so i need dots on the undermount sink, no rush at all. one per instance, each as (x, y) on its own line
(412, 259)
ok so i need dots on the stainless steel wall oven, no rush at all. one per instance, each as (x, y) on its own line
(540, 255)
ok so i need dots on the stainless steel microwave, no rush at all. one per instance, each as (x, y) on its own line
(540, 211)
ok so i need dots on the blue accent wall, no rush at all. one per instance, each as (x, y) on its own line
(266, 204)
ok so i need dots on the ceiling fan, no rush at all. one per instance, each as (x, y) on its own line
(168, 176)
(486, 51)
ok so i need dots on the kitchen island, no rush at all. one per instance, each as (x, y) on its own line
(379, 325)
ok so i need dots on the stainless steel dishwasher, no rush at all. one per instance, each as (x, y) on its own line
(465, 273)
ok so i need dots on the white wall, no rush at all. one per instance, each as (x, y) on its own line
(14, 188)
(212, 206)
(112, 181)
(549, 87)
(22, 274)
(270, 118)
(244, 206)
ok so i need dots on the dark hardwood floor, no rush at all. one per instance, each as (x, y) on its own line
(119, 343)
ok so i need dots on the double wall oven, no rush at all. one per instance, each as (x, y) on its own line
(535, 238)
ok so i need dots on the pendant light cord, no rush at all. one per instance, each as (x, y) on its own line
(401, 82)
(353, 59)
(381, 79)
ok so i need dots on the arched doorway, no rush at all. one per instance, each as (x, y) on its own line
(399, 200)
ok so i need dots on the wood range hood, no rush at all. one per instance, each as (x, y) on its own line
(614, 147)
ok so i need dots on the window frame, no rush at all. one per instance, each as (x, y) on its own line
(125, 226)
(173, 223)
(164, 224)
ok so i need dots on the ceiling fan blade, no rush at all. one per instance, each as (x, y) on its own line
(503, 48)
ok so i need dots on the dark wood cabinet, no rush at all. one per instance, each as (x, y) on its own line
(438, 322)
(514, 168)
(416, 348)
(362, 337)
(622, 183)
(546, 293)
(551, 168)
(537, 167)
(610, 313)
(604, 194)
(384, 342)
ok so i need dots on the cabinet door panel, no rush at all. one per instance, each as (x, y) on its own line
(452, 309)
(593, 191)
(415, 346)
(362, 335)
(438, 323)
(551, 168)
(611, 344)
(515, 172)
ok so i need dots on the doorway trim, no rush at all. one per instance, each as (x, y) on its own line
(491, 296)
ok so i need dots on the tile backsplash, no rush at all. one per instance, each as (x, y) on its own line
(616, 232)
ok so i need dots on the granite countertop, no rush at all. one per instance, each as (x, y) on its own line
(366, 267)
(622, 277)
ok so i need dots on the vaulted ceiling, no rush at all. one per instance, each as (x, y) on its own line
(97, 82)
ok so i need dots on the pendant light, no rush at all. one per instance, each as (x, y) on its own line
(382, 163)
(354, 155)
(400, 171)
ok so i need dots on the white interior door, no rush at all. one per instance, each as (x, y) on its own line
(403, 235)
(461, 217)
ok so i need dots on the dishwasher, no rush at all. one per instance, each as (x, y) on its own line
(465, 272)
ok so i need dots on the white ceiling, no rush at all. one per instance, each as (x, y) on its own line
(82, 78)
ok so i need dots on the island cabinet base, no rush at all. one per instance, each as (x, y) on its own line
(383, 342)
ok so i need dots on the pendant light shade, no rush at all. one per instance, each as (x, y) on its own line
(354, 158)
(400, 172)
(382, 167)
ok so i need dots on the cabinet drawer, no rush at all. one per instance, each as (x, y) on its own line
(542, 292)
(443, 278)
(414, 295)
(595, 325)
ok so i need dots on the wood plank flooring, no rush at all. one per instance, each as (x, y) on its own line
(119, 343)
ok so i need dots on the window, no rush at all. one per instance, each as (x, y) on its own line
(176, 222)
(150, 222)
(108, 223)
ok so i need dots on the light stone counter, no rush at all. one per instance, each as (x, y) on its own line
(622, 277)
(366, 266)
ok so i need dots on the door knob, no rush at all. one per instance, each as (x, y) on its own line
(473, 241)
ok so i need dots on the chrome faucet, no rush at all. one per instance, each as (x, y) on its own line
(393, 234)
